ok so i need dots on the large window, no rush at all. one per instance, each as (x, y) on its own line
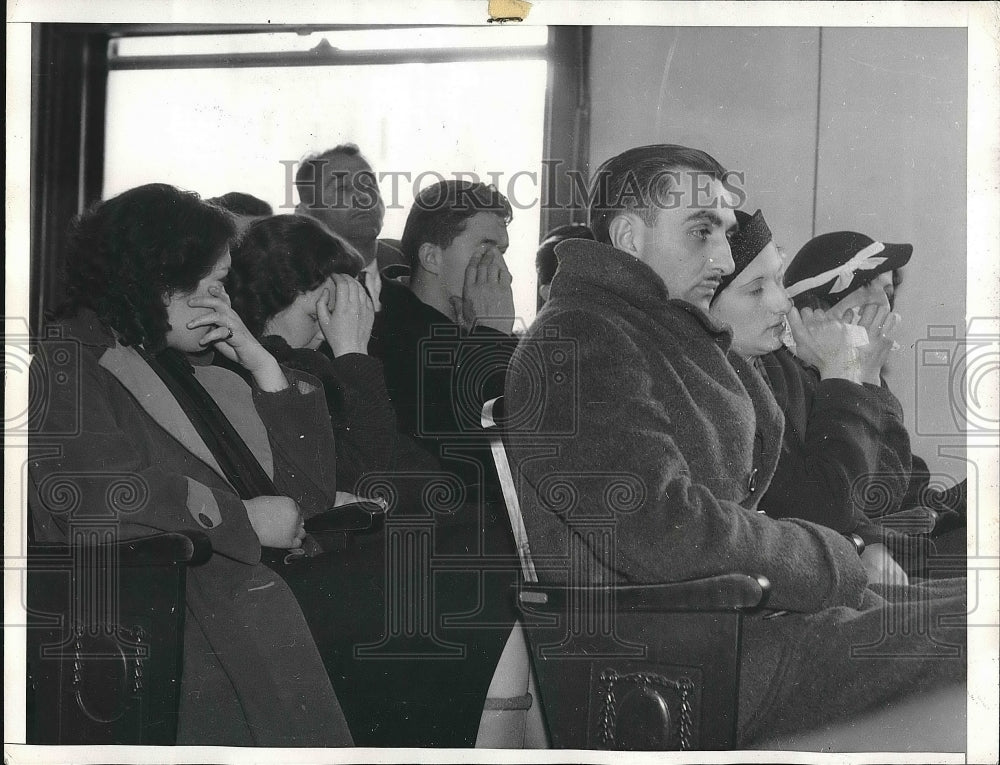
(235, 112)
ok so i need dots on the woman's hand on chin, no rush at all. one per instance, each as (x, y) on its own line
(230, 337)
(881, 326)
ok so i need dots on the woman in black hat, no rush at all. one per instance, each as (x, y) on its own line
(843, 265)
(845, 457)
(849, 270)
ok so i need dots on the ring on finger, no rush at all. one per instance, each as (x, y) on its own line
(230, 335)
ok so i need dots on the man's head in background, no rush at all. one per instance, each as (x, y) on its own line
(545, 258)
(245, 208)
(668, 206)
(339, 189)
(449, 223)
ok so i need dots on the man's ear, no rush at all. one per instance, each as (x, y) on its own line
(429, 256)
(627, 233)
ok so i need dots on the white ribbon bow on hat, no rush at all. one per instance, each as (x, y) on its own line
(865, 260)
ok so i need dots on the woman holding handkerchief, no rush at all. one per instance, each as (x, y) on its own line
(845, 459)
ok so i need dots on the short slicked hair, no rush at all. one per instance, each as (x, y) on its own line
(640, 181)
(309, 176)
(441, 212)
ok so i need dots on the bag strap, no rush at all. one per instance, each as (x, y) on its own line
(488, 420)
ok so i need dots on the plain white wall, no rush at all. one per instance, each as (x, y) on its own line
(892, 161)
(867, 125)
(747, 96)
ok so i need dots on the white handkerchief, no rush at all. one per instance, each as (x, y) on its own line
(857, 336)
(787, 339)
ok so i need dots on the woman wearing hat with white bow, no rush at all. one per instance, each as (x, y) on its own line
(845, 460)
(848, 272)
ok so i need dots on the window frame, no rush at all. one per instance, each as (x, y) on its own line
(70, 66)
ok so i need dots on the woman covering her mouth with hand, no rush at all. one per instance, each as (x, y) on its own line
(844, 439)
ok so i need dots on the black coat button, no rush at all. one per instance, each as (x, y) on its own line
(205, 521)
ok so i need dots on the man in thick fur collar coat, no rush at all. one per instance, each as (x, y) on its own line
(646, 411)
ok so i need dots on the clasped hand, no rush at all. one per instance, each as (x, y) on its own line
(277, 521)
(825, 340)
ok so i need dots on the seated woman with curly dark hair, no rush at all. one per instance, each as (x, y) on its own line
(293, 283)
(242, 457)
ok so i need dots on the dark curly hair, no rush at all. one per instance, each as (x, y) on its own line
(442, 211)
(126, 254)
(278, 259)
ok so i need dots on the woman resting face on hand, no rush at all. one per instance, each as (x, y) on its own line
(295, 284)
(147, 314)
(295, 280)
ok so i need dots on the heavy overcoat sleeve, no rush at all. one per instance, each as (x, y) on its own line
(302, 441)
(845, 455)
(667, 526)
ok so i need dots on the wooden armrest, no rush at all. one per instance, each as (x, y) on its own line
(727, 592)
(357, 517)
(169, 548)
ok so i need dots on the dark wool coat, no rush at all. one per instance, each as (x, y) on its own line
(845, 460)
(438, 378)
(251, 675)
(407, 689)
(845, 455)
(643, 444)
(361, 412)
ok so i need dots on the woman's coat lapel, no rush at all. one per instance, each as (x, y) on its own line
(131, 370)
